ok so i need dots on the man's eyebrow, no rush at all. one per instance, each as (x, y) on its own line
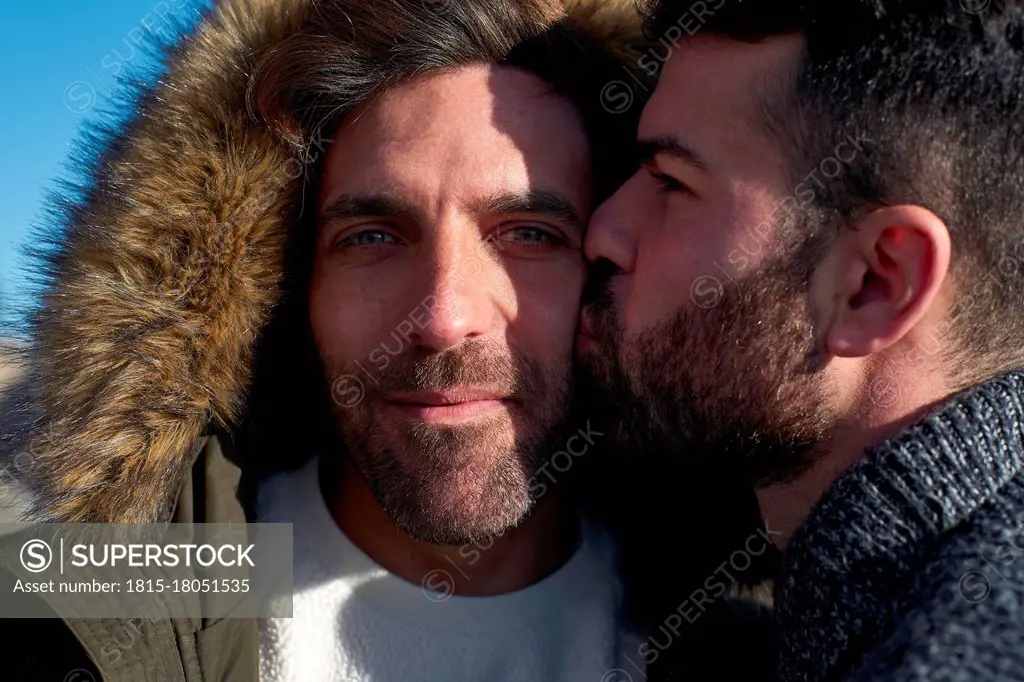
(649, 148)
(348, 206)
(537, 201)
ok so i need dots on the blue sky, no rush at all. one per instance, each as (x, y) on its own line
(59, 63)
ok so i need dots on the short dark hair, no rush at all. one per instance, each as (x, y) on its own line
(351, 49)
(936, 89)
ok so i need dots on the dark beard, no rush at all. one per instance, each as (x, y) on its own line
(460, 484)
(737, 380)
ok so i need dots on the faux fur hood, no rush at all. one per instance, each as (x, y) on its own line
(164, 271)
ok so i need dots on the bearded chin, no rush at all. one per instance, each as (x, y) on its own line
(461, 483)
(736, 382)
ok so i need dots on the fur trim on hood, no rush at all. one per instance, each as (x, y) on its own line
(166, 269)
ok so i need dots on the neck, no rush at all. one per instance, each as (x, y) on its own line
(523, 555)
(869, 421)
(926, 505)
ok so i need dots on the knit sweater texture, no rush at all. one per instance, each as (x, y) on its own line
(911, 566)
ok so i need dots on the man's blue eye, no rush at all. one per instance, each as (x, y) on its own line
(367, 238)
(529, 235)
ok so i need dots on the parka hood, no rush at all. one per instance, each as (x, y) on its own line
(165, 270)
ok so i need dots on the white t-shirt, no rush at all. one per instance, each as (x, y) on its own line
(353, 620)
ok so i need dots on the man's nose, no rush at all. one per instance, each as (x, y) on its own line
(610, 234)
(457, 294)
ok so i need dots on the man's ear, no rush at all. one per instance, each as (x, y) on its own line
(885, 272)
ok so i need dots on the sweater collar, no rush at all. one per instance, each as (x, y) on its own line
(850, 566)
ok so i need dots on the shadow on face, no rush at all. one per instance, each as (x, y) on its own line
(445, 289)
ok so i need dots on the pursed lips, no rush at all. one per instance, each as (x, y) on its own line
(585, 335)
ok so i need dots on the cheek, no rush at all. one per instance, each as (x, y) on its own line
(341, 315)
(545, 316)
(678, 265)
(661, 283)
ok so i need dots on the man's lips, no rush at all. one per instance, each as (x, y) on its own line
(586, 324)
(450, 405)
(585, 336)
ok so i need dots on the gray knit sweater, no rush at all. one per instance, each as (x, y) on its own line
(911, 566)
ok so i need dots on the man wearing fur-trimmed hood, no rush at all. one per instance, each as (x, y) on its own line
(224, 317)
